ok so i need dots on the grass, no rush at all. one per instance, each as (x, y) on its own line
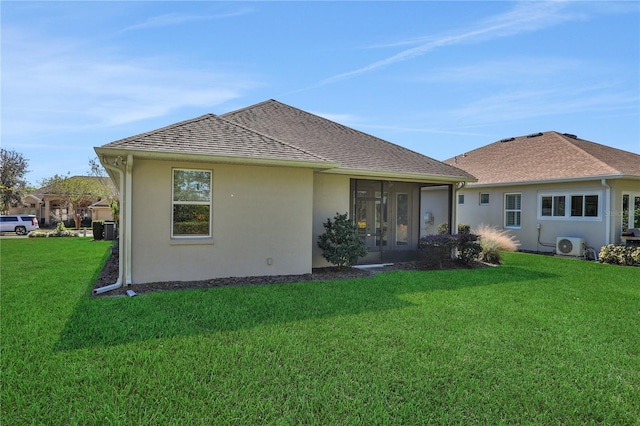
(539, 340)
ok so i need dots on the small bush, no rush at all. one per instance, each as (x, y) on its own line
(61, 231)
(443, 229)
(619, 255)
(438, 248)
(463, 228)
(493, 241)
(38, 234)
(340, 242)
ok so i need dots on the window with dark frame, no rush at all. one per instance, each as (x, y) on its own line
(484, 199)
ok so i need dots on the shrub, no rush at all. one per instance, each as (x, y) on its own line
(437, 248)
(468, 247)
(61, 231)
(463, 228)
(443, 229)
(493, 241)
(38, 234)
(340, 243)
(619, 255)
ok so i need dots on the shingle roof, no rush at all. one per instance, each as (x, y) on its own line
(211, 135)
(274, 131)
(545, 156)
(352, 149)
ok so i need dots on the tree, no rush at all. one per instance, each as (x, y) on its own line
(340, 242)
(13, 168)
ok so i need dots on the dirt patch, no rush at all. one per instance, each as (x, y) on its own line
(109, 275)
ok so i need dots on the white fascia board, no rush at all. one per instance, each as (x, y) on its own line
(547, 181)
(205, 158)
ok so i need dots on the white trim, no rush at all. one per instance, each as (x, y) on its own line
(505, 211)
(567, 209)
(208, 203)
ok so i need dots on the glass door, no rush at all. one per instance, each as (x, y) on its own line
(370, 210)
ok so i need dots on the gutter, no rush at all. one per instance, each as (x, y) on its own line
(607, 220)
(124, 252)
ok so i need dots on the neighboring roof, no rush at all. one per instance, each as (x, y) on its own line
(547, 156)
(211, 135)
(351, 149)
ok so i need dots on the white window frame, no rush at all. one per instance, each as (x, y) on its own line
(460, 198)
(203, 203)
(515, 210)
(567, 205)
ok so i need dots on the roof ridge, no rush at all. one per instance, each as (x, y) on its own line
(168, 127)
(226, 120)
(571, 141)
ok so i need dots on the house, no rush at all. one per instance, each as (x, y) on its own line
(51, 205)
(553, 191)
(246, 194)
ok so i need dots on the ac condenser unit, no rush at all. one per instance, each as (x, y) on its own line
(570, 246)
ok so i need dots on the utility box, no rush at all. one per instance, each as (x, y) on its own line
(110, 231)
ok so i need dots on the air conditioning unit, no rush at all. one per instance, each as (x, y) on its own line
(570, 246)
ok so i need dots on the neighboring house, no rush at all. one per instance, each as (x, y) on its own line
(246, 194)
(50, 207)
(546, 186)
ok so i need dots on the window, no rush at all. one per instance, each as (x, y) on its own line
(553, 205)
(460, 198)
(191, 213)
(484, 199)
(512, 210)
(566, 206)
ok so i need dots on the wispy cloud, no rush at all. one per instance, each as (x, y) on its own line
(525, 17)
(78, 88)
(555, 101)
(171, 19)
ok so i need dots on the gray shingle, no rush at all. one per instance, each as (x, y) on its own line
(350, 148)
(210, 135)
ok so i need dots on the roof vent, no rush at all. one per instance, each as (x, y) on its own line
(507, 140)
(569, 135)
(534, 135)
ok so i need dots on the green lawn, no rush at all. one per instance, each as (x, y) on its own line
(540, 340)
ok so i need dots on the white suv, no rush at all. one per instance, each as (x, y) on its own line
(20, 224)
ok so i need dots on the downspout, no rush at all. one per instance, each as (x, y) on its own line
(121, 252)
(607, 215)
(454, 208)
(128, 215)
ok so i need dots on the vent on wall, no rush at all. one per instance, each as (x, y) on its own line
(570, 246)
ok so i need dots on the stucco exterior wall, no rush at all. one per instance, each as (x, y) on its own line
(261, 222)
(434, 200)
(330, 196)
(593, 230)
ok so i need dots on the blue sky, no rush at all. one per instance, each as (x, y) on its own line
(440, 78)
